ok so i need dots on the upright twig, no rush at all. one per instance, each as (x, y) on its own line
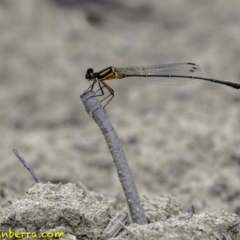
(26, 165)
(95, 110)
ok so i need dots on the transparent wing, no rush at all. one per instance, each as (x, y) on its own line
(176, 73)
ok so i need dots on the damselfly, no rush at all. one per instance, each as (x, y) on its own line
(176, 73)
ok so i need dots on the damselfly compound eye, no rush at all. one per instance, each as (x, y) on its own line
(89, 74)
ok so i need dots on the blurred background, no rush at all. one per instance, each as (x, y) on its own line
(179, 140)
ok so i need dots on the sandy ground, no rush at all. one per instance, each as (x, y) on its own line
(179, 140)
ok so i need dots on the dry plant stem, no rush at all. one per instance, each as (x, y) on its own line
(26, 165)
(95, 110)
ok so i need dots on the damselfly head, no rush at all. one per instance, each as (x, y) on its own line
(90, 74)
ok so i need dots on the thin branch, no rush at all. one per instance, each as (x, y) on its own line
(95, 110)
(114, 226)
(82, 186)
(127, 229)
(26, 165)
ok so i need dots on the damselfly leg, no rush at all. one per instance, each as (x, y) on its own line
(111, 91)
(90, 88)
(111, 95)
